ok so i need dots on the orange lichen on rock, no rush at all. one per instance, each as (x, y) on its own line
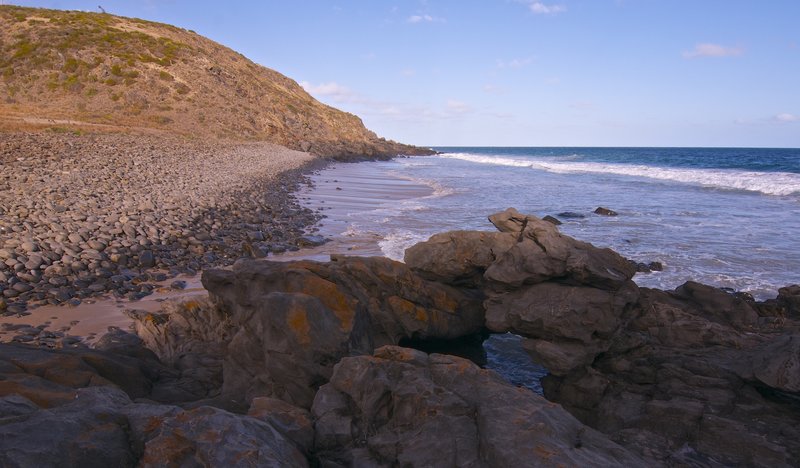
(341, 305)
(297, 319)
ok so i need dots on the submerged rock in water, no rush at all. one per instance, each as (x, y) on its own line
(605, 211)
(571, 214)
(551, 219)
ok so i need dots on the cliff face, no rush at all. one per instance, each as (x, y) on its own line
(123, 73)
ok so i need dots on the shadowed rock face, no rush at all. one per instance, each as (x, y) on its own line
(403, 406)
(293, 321)
(696, 376)
(74, 408)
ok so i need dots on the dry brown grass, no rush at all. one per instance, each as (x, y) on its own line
(115, 73)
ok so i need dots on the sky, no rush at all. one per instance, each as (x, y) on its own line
(523, 72)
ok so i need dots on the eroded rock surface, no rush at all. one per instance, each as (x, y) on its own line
(294, 321)
(76, 408)
(404, 406)
(696, 376)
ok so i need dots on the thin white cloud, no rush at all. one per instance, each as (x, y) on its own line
(408, 72)
(414, 19)
(540, 8)
(457, 107)
(491, 89)
(352, 101)
(713, 50)
(514, 63)
(331, 90)
(786, 117)
(582, 105)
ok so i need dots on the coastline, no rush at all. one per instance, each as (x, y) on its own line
(93, 224)
(322, 201)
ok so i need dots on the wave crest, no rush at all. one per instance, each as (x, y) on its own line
(769, 183)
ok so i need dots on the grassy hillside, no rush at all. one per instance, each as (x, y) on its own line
(123, 73)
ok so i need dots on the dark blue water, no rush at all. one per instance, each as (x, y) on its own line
(749, 159)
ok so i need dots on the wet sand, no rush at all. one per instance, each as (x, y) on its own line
(337, 192)
(343, 189)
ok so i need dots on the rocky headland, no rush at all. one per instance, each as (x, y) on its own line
(298, 364)
(102, 72)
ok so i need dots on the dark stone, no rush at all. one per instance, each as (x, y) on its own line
(402, 407)
(605, 211)
(553, 220)
(147, 259)
(311, 241)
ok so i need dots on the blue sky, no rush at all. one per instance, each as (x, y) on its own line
(522, 72)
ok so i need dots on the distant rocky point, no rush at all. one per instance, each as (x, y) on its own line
(73, 69)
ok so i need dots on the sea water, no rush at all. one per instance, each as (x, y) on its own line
(727, 217)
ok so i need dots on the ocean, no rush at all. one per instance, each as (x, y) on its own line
(727, 217)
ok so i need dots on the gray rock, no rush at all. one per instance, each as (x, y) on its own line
(22, 287)
(34, 262)
(147, 259)
(29, 246)
(209, 436)
(777, 364)
(96, 245)
(605, 211)
(311, 241)
(553, 220)
(255, 235)
(407, 408)
(12, 406)
(75, 238)
(89, 431)
(293, 422)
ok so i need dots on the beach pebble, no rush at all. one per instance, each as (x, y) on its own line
(80, 209)
(147, 259)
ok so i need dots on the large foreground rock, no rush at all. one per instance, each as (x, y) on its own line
(102, 427)
(693, 379)
(405, 407)
(279, 328)
(696, 376)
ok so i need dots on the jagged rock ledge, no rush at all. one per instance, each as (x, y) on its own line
(296, 363)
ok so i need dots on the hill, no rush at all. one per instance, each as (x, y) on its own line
(123, 74)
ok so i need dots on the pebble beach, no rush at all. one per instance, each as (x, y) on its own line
(86, 215)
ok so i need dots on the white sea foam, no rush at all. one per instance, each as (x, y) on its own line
(770, 183)
(439, 189)
(395, 243)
